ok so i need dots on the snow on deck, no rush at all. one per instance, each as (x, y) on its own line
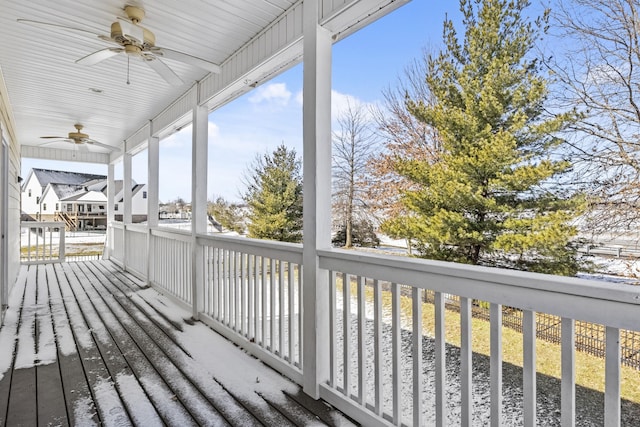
(89, 344)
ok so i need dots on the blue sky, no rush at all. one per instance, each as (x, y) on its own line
(364, 64)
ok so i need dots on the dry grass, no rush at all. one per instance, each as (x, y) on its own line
(589, 369)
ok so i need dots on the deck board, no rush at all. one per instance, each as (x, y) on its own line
(95, 346)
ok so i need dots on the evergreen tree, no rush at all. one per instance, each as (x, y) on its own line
(489, 197)
(274, 196)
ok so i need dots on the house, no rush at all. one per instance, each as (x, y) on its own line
(55, 185)
(78, 199)
(285, 304)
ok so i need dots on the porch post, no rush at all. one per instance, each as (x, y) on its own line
(317, 197)
(126, 210)
(111, 194)
(199, 153)
(153, 173)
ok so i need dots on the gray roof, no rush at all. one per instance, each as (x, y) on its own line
(64, 191)
(48, 176)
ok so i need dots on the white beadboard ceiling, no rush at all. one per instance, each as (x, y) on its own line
(49, 92)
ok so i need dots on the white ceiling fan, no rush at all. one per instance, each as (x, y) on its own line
(79, 139)
(130, 38)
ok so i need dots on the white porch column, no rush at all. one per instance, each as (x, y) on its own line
(111, 194)
(199, 153)
(317, 197)
(126, 186)
(153, 174)
(126, 204)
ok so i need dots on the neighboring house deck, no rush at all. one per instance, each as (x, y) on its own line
(94, 345)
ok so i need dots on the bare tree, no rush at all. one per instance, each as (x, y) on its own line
(354, 143)
(599, 75)
(403, 137)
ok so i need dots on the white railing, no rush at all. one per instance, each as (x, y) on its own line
(135, 241)
(42, 242)
(379, 372)
(253, 295)
(384, 367)
(170, 263)
(115, 240)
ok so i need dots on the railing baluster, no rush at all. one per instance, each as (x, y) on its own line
(440, 358)
(362, 384)
(466, 366)
(377, 346)
(496, 363)
(272, 303)
(281, 306)
(346, 334)
(612, 377)
(333, 332)
(264, 297)
(299, 317)
(529, 367)
(568, 381)
(257, 269)
(416, 300)
(251, 297)
(292, 295)
(395, 344)
(227, 289)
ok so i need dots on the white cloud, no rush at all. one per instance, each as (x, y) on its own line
(275, 94)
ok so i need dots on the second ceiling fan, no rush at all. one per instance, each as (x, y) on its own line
(133, 40)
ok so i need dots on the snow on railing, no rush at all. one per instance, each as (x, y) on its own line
(384, 368)
(252, 295)
(42, 242)
(170, 263)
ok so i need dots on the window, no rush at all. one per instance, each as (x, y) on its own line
(57, 207)
(115, 208)
(69, 208)
(44, 206)
(38, 199)
(144, 194)
(101, 207)
(29, 192)
(88, 208)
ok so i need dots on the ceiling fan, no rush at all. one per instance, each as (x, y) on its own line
(79, 139)
(135, 41)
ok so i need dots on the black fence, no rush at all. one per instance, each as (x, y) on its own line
(590, 337)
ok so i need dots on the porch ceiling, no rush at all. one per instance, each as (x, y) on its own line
(49, 92)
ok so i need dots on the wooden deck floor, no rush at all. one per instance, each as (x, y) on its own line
(86, 344)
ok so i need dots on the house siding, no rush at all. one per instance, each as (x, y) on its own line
(11, 258)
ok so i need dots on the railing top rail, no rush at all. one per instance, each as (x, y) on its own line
(607, 303)
(171, 233)
(269, 248)
(116, 224)
(40, 224)
(136, 228)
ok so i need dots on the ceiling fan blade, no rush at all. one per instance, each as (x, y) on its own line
(99, 56)
(130, 29)
(186, 58)
(58, 26)
(163, 70)
(53, 137)
(100, 144)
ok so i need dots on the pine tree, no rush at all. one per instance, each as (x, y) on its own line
(489, 197)
(274, 196)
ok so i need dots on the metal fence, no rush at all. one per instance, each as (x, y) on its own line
(590, 337)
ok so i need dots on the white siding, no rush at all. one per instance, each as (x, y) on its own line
(48, 202)
(12, 256)
(139, 202)
(31, 194)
